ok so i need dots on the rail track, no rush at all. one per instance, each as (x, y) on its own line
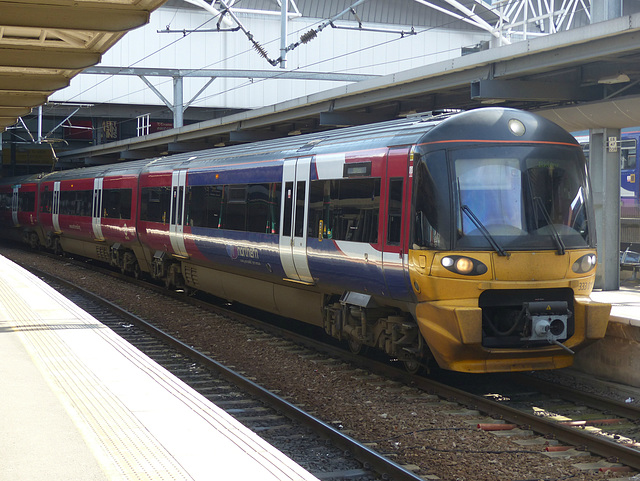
(604, 428)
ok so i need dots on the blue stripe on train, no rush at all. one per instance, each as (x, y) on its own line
(233, 175)
(243, 251)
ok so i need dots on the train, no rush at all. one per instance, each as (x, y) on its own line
(458, 239)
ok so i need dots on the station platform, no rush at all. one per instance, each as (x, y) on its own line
(79, 403)
(616, 358)
(625, 304)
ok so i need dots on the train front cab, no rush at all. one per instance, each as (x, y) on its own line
(503, 254)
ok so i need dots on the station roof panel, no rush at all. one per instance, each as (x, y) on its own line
(45, 43)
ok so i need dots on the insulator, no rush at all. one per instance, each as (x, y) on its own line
(307, 37)
(260, 49)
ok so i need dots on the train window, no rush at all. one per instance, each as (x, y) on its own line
(431, 201)
(288, 209)
(521, 197)
(300, 199)
(116, 203)
(27, 201)
(180, 204)
(320, 209)
(348, 208)
(76, 202)
(46, 200)
(628, 154)
(246, 207)
(234, 207)
(204, 205)
(394, 223)
(174, 203)
(263, 208)
(273, 214)
(154, 204)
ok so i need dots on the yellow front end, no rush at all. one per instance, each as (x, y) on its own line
(448, 287)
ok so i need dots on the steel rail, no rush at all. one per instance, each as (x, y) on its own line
(592, 443)
(617, 408)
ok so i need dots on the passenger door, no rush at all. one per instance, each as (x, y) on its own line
(15, 199)
(176, 225)
(55, 208)
(293, 228)
(395, 211)
(96, 211)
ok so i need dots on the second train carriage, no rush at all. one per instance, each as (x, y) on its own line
(465, 238)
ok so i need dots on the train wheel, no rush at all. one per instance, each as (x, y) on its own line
(356, 347)
(413, 365)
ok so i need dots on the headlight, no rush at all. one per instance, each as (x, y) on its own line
(463, 265)
(516, 127)
(584, 264)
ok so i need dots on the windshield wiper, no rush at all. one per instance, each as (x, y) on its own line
(554, 232)
(480, 226)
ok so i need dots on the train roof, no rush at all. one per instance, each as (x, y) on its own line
(22, 179)
(404, 131)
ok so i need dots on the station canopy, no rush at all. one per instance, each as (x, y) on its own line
(45, 43)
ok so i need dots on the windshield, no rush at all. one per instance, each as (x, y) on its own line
(507, 197)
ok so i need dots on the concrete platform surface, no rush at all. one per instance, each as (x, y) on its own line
(625, 304)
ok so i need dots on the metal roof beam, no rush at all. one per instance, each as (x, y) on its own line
(267, 74)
